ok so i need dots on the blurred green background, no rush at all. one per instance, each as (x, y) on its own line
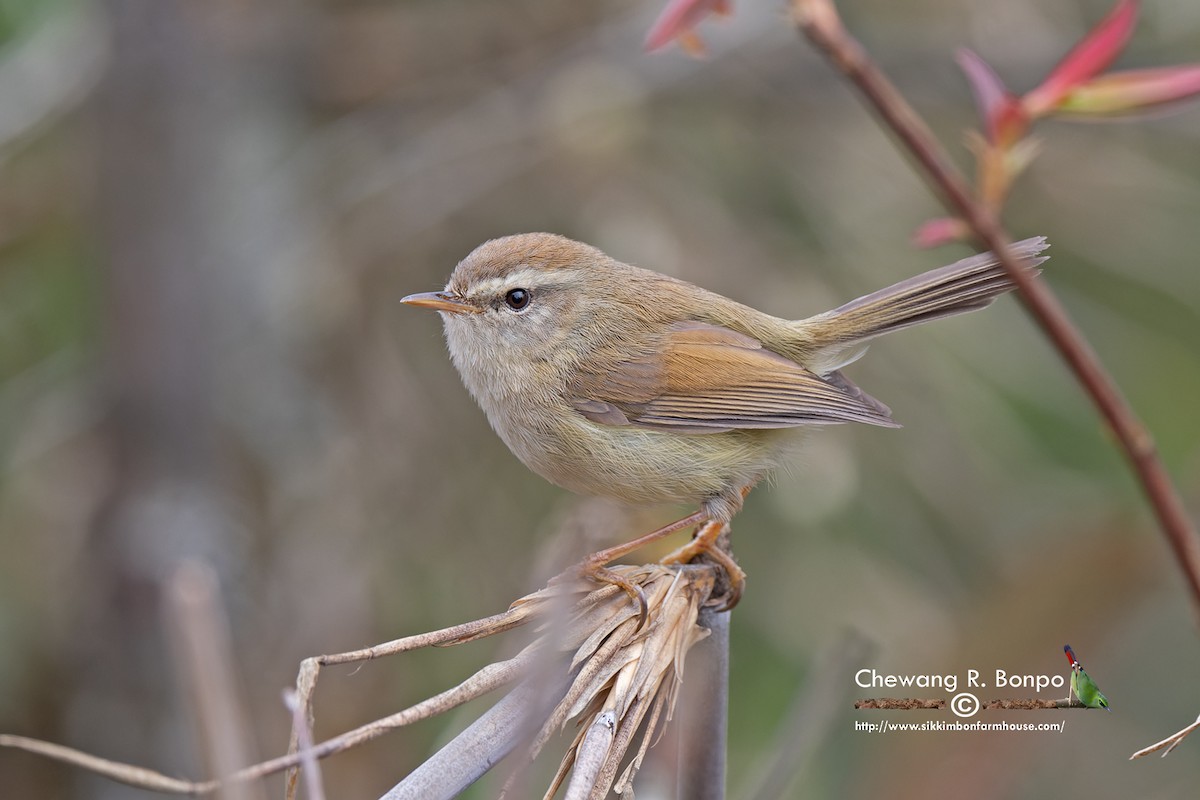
(210, 209)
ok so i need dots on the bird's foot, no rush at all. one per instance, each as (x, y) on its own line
(594, 567)
(708, 543)
(601, 574)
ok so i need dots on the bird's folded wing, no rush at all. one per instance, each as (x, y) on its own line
(707, 379)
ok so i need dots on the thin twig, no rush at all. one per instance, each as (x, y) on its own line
(113, 770)
(455, 634)
(310, 668)
(1171, 742)
(819, 21)
(598, 649)
(485, 680)
(302, 719)
(203, 650)
(303, 729)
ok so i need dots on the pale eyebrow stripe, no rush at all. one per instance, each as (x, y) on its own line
(527, 278)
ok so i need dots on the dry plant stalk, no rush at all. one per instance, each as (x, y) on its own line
(621, 674)
(621, 671)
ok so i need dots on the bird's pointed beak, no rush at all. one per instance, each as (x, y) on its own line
(440, 301)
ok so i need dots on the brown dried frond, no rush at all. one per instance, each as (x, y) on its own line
(621, 672)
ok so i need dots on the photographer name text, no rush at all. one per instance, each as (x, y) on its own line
(869, 678)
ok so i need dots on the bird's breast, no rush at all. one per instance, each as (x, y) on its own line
(635, 464)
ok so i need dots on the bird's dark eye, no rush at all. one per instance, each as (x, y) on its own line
(517, 299)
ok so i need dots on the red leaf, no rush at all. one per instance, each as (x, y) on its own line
(1087, 59)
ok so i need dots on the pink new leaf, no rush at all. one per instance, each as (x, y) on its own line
(1133, 92)
(1003, 118)
(939, 231)
(1096, 51)
(679, 20)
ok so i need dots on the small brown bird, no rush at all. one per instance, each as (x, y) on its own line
(608, 379)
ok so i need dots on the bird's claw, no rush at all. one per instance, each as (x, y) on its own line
(705, 543)
(601, 574)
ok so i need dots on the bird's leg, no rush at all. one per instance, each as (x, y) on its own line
(595, 565)
(707, 541)
(610, 554)
(704, 541)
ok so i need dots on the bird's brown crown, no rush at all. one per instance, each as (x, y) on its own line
(540, 251)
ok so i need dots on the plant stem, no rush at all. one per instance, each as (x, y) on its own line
(818, 20)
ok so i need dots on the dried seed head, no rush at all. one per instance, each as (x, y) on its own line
(620, 671)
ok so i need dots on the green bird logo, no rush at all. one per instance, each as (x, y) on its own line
(1082, 685)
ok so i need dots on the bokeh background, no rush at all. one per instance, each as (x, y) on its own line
(209, 211)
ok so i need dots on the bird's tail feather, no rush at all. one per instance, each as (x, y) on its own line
(840, 336)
